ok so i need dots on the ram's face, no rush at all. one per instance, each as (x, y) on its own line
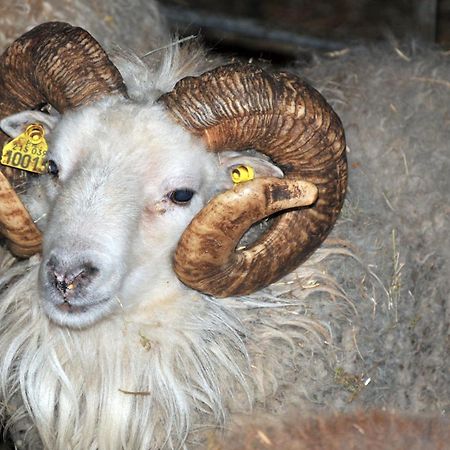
(124, 183)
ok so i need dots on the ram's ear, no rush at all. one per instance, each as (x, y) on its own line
(15, 124)
(261, 165)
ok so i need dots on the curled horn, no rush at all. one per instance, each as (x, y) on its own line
(58, 64)
(239, 107)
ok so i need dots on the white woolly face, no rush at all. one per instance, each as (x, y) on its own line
(120, 198)
(124, 183)
(120, 201)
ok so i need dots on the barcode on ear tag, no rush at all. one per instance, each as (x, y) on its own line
(27, 151)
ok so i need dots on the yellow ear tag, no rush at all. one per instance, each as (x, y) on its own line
(27, 151)
(242, 173)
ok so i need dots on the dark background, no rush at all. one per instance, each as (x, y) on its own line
(283, 29)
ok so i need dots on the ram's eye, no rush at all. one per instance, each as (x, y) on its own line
(181, 196)
(52, 168)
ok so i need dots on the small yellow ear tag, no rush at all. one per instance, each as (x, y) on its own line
(242, 173)
(27, 151)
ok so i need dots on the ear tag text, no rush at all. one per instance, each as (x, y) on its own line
(242, 173)
(27, 151)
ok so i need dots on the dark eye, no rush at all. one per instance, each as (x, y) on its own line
(52, 168)
(181, 196)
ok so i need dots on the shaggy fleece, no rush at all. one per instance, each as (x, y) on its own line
(395, 107)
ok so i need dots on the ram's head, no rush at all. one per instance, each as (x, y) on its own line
(122, 174)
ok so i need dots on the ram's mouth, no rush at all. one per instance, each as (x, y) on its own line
(69, 314)
(69, 308)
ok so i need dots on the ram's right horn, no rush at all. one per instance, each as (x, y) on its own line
(237, 107)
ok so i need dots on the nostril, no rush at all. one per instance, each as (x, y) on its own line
(61, 285)
(68, 280)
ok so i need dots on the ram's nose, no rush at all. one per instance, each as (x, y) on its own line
(69, 279)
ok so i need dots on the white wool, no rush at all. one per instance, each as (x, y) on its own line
(128, 383)
(108, 383)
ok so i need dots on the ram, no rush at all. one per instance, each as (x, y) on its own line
(125, 179)
(102, 345)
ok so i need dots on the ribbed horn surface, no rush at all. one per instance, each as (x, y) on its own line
(238, 107)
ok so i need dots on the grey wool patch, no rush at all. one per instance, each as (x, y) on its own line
(393, 348)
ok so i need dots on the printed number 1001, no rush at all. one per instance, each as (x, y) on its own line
(17, 159)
